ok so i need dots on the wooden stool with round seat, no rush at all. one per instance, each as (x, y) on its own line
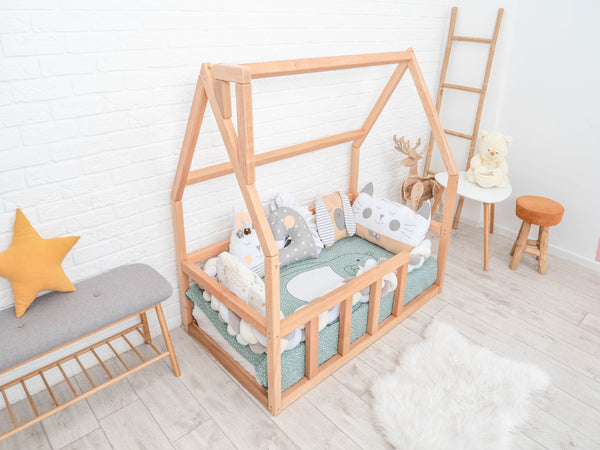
(534, 210)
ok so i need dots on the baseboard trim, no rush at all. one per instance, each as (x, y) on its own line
(552, 249)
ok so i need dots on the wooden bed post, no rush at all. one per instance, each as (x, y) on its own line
(183, 169)
(273, 334)
(438, 133)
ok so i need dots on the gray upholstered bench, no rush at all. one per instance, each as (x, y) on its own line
(58, 319)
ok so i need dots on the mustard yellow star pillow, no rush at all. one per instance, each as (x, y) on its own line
(33, 264)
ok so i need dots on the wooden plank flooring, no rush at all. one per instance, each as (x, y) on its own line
(552, 321)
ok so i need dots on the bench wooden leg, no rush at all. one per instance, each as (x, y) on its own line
(144, 319)
(167, 337)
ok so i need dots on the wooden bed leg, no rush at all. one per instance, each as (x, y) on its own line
(167, 337)
(144, 319)
(181, 251)
(273, 334)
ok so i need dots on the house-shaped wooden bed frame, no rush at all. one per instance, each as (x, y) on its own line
(213, 87)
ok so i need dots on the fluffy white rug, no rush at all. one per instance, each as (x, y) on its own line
(448, 393)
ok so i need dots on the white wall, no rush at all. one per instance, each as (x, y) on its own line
(94, 97)
(542, 93)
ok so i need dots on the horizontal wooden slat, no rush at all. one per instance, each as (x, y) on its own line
(298, 66)
(209, 252)
(336, 296)
(532, 251)
(461, 135)
(219, 170)
(232, 301)
(472, 39)
(435, 226)
(462, 88)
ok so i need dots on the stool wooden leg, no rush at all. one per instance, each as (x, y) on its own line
(512, 252)
(167, 337)
(520, 245)
(486, 234)
(492, 214)
(543, 258)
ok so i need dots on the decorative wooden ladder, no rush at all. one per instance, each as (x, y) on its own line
(481, 91)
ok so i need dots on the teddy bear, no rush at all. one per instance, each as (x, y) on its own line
(488, 168)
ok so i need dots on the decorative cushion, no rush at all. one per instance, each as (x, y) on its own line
(33, 264)
(335, 219)
(292, 235)
(245, 245)
(58, 318)
(386, 223)
(539, 210)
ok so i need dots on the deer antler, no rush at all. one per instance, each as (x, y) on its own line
(403, 145)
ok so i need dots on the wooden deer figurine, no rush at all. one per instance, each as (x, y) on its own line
(415, 188)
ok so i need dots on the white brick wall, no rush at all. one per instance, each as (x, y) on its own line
(94, 97)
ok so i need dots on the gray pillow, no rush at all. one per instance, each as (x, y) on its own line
(293, 236)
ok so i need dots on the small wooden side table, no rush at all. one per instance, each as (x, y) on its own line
(488, 196)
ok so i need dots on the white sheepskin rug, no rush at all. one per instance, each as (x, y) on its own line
(448, 393)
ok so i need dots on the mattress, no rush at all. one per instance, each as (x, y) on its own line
(301, 281)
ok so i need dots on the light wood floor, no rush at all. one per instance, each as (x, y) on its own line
(552, 321)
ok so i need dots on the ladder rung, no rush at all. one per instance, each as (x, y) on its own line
(461, 135)
(462, 88)
(472, 39)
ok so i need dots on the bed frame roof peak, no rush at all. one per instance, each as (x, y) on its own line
(244, 73)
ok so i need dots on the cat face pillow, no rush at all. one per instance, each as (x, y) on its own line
(245, 245)
(380, 220)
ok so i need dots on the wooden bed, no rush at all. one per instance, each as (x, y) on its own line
(213, 87)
